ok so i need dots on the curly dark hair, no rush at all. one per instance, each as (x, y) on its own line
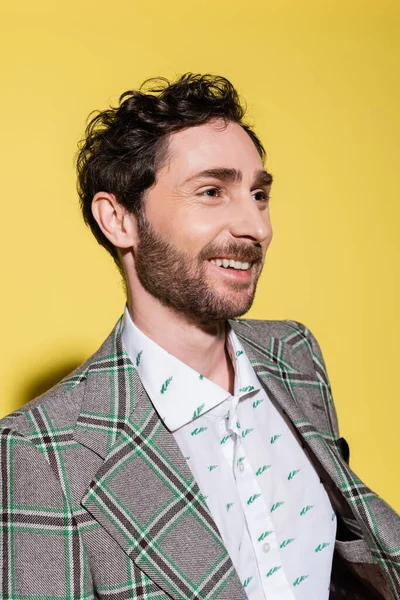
(125, 146)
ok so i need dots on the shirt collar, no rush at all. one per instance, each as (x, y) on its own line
(179, 393)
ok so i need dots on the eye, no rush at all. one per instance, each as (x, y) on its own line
(213, 192)
(261, 196)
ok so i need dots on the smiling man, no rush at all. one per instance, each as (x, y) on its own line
(194, 455)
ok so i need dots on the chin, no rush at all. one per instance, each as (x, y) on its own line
(238, 310)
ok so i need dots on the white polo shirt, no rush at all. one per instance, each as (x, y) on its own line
(273, 514)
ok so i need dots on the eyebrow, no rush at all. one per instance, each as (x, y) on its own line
(262, 177)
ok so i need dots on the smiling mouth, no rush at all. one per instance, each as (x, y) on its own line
(227, 263)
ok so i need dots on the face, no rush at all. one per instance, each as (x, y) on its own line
(205, 226)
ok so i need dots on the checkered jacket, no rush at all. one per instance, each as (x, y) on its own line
(98, 502)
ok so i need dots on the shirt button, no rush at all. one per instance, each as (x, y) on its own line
(266, 547)
(241, 467)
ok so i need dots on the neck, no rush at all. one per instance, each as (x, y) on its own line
(203, 348)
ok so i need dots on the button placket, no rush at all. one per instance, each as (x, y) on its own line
(233, 423)
(266, 551)
(259, 521)
(266, 547)
(234, 429)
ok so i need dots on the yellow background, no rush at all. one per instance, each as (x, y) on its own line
(321, 80)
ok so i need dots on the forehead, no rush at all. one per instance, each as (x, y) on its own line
(209, 145)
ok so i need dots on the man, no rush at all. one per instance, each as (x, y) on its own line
(194, 455)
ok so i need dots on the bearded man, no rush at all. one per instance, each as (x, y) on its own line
(194, 455)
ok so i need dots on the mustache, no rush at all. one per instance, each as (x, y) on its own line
(241, 252)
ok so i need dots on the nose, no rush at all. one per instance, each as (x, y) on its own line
(250, 220)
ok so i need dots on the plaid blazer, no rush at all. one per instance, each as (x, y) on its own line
(98, 501)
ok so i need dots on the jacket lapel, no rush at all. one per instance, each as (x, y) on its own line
(294, 392)
(144, 493)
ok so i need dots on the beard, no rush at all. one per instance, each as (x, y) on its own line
(178, 280)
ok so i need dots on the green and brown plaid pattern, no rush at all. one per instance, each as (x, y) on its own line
(98, 502)
(144, 541)
(27, 521)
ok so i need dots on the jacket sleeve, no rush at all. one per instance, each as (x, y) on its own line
(41, 553)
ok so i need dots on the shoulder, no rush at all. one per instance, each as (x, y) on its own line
(59, 407)
(55, 409)
(34, 437)
(289, 331)
(26, 435)
(289, 339)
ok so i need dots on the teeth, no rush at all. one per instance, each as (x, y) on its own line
(233, 264)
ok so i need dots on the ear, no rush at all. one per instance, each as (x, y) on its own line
(118, 225)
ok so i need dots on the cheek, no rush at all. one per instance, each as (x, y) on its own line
(200, 234)
(190, 232)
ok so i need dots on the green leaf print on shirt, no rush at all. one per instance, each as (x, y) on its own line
(198, 430)
(262, 469)
(246, 582)
(138, 357)
(321, 547)
(286, 542)
(228, 506)
(198, 411)
(275, 437)
(248, 388)
(257, 402)
(212, 467)
(273, 570)
(293, 473)
(165, 385)
(276, 505)
(264, 535)
(239, 353)
(247, 431)
(252, 498)
(225, 439)
(300, 579)
(201, 377)
(306, 509)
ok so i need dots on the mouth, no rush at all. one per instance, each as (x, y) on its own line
(229, 263)
(233, 271)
